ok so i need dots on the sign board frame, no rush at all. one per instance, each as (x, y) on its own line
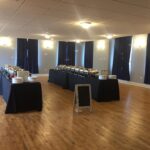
(77, 97)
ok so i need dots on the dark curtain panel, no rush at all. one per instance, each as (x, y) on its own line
(22, 53)
(71, 53)
(33, 55)
(62, 53)
(26, 65)
(147, 67)
(88, 58)
(121, 57)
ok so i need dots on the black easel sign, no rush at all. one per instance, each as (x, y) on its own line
(82, 96)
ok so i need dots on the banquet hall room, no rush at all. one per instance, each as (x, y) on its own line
(74, 75)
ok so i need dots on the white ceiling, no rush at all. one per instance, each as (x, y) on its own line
(30, 18)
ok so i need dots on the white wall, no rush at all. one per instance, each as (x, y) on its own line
(111, 54)
(8, 53)
(138, 58)
(101, 55)
(79, 54)
(47, 57)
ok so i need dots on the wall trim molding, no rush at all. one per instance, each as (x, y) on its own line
(39, 75)
(120, 81)
(135, 84)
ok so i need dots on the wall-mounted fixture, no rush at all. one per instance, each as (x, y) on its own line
(5, 41)
(140, 42)
(101, 45)
(48, 44)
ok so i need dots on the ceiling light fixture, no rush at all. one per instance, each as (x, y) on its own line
(110, 36)
(86, 25)
(47, 36)
(78, 41)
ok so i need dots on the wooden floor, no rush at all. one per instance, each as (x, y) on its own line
(121, 125)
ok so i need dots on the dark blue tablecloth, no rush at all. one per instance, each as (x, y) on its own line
(59, 78)
(6, 87)
(102, 90)
(24, 97)
(21, 97)
(0, 84)
(74, 79)
(108, 90)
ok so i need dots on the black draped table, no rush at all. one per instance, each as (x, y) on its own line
(0, 84)
(102, 90)
(22, 97)
(108, 90)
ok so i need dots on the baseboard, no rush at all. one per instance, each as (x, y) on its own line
(41, 75)
(135, 84)
(120, 81)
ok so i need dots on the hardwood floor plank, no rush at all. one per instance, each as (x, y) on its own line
(117, 125)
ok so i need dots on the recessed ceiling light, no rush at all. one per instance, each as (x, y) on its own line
(78, 41)
(86, 24)
(47, 36)
(109, 36)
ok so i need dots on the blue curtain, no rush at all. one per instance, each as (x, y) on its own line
(33, 55)
(22, 53)
(70, 53)
(122, 50)
(62, 53)
(66, 53)
(26, 65)
(147, 67)
(88, 57)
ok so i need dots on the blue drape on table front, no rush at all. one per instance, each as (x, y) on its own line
(88, 57)
(122, 50)
(71, 53)
(33, 55)
(147, 66)
(22, 53)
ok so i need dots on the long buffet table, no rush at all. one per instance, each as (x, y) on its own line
(102, 90)
(21, 97)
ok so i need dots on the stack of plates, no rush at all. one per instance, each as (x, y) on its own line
(17, 80)
(32, 79)
(112, 77)
(103, 77)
